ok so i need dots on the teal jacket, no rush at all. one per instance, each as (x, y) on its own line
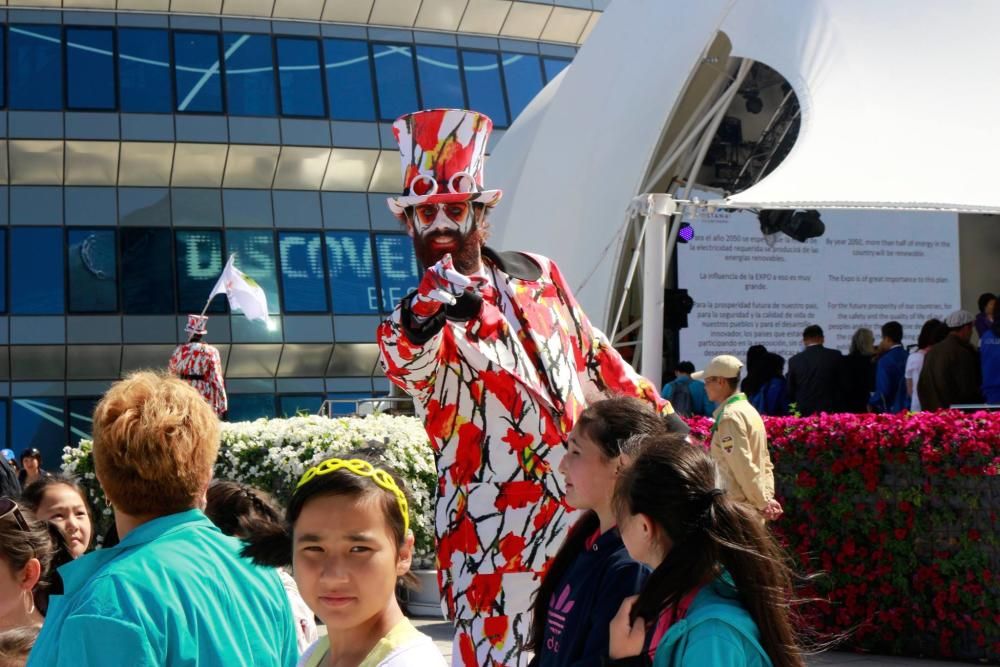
(717, 630)
(173, 593)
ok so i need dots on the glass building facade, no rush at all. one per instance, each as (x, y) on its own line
(139, 150)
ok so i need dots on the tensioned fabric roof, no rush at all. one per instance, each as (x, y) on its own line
(898, 101)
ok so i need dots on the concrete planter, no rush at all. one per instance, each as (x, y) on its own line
(425, 602)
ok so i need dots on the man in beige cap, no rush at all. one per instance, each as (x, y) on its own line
(739, 441)
(951, 374)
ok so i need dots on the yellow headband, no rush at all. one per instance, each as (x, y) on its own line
(362, 469)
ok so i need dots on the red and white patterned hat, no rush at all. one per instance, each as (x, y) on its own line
(197, 325)
(443, 151)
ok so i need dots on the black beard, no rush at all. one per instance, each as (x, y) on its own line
(466, 257)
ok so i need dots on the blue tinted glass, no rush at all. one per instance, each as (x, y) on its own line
(39, 423)
(36, 270)
(3, 55)
(255, 257)
(199, 265)
(300, 77)
(247, 407)
(3, 425)
(292, 405)
(348, 79)
(553, 66)
(249, 75)
(90, 68)
(3, 273)
(397, 85)
(397, 267)
(482, 80)
(196, 68)
(302, 282)
(352, 273)
(348, 407)
(440, 83)
(144, 70)
(81, 418)
(523, 76)
(35, 67)
(92, 261)
(147, 271)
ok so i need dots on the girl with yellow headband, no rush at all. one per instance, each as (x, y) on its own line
(347, 536)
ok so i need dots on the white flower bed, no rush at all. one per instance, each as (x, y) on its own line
(272, 454)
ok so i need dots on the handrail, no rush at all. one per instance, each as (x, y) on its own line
(325, 407)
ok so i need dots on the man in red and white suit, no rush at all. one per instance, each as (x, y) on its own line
(500, 361)
(200, 365)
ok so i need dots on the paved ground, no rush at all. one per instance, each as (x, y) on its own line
(441, 632)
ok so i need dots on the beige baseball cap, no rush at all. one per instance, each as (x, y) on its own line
(723, 366)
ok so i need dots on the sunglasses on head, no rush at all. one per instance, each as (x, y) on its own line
(9, 507)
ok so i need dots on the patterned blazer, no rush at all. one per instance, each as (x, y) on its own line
(499, 387)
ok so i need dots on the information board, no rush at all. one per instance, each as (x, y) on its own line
(868, 268)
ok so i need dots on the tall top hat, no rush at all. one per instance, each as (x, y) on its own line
(443, 151)
(197, 325)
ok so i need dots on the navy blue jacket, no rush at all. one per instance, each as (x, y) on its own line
(890, 386)
(586, 599)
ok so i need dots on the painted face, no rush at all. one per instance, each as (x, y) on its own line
(62, 505)
(345, 559)
(439, 229)
(590, 475)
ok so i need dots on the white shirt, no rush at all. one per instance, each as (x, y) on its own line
(914, 364)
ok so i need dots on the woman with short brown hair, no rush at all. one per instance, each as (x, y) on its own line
(174, 590)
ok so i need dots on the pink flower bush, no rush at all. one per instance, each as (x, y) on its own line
(900, 515)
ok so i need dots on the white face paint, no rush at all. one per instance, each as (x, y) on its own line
(451, 218)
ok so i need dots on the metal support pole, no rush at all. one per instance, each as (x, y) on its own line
(654, 282)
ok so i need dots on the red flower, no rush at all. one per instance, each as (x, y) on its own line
(468, 650)
(518, 441)
(518, 494)
(495, 629)
(440, 419)
(468, 454)
(483, 591)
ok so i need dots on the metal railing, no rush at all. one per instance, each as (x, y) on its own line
(369, 406)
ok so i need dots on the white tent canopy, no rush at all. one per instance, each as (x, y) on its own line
(897, 104)
(897, 96)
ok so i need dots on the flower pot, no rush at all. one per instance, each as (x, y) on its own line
(425, 602)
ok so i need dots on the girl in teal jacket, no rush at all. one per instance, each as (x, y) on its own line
(720, 589)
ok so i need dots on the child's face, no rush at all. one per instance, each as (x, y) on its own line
(64, 507)
(643, 541)
(590, 475)
(345, 559)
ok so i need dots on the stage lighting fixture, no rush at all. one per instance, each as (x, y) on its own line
(685, 233)
(799, 225)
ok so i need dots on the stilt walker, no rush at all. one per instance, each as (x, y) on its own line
(200, 365)
(500, 361)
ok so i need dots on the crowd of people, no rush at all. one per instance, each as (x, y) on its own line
(201, 572)
(941, 369)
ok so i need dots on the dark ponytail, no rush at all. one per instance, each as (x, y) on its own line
(676, 485)
(608, 423)
(246, 512)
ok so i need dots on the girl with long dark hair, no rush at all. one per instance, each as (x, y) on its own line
(715, 567)
(592, 572)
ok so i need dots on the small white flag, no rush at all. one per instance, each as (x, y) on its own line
(243, 292)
